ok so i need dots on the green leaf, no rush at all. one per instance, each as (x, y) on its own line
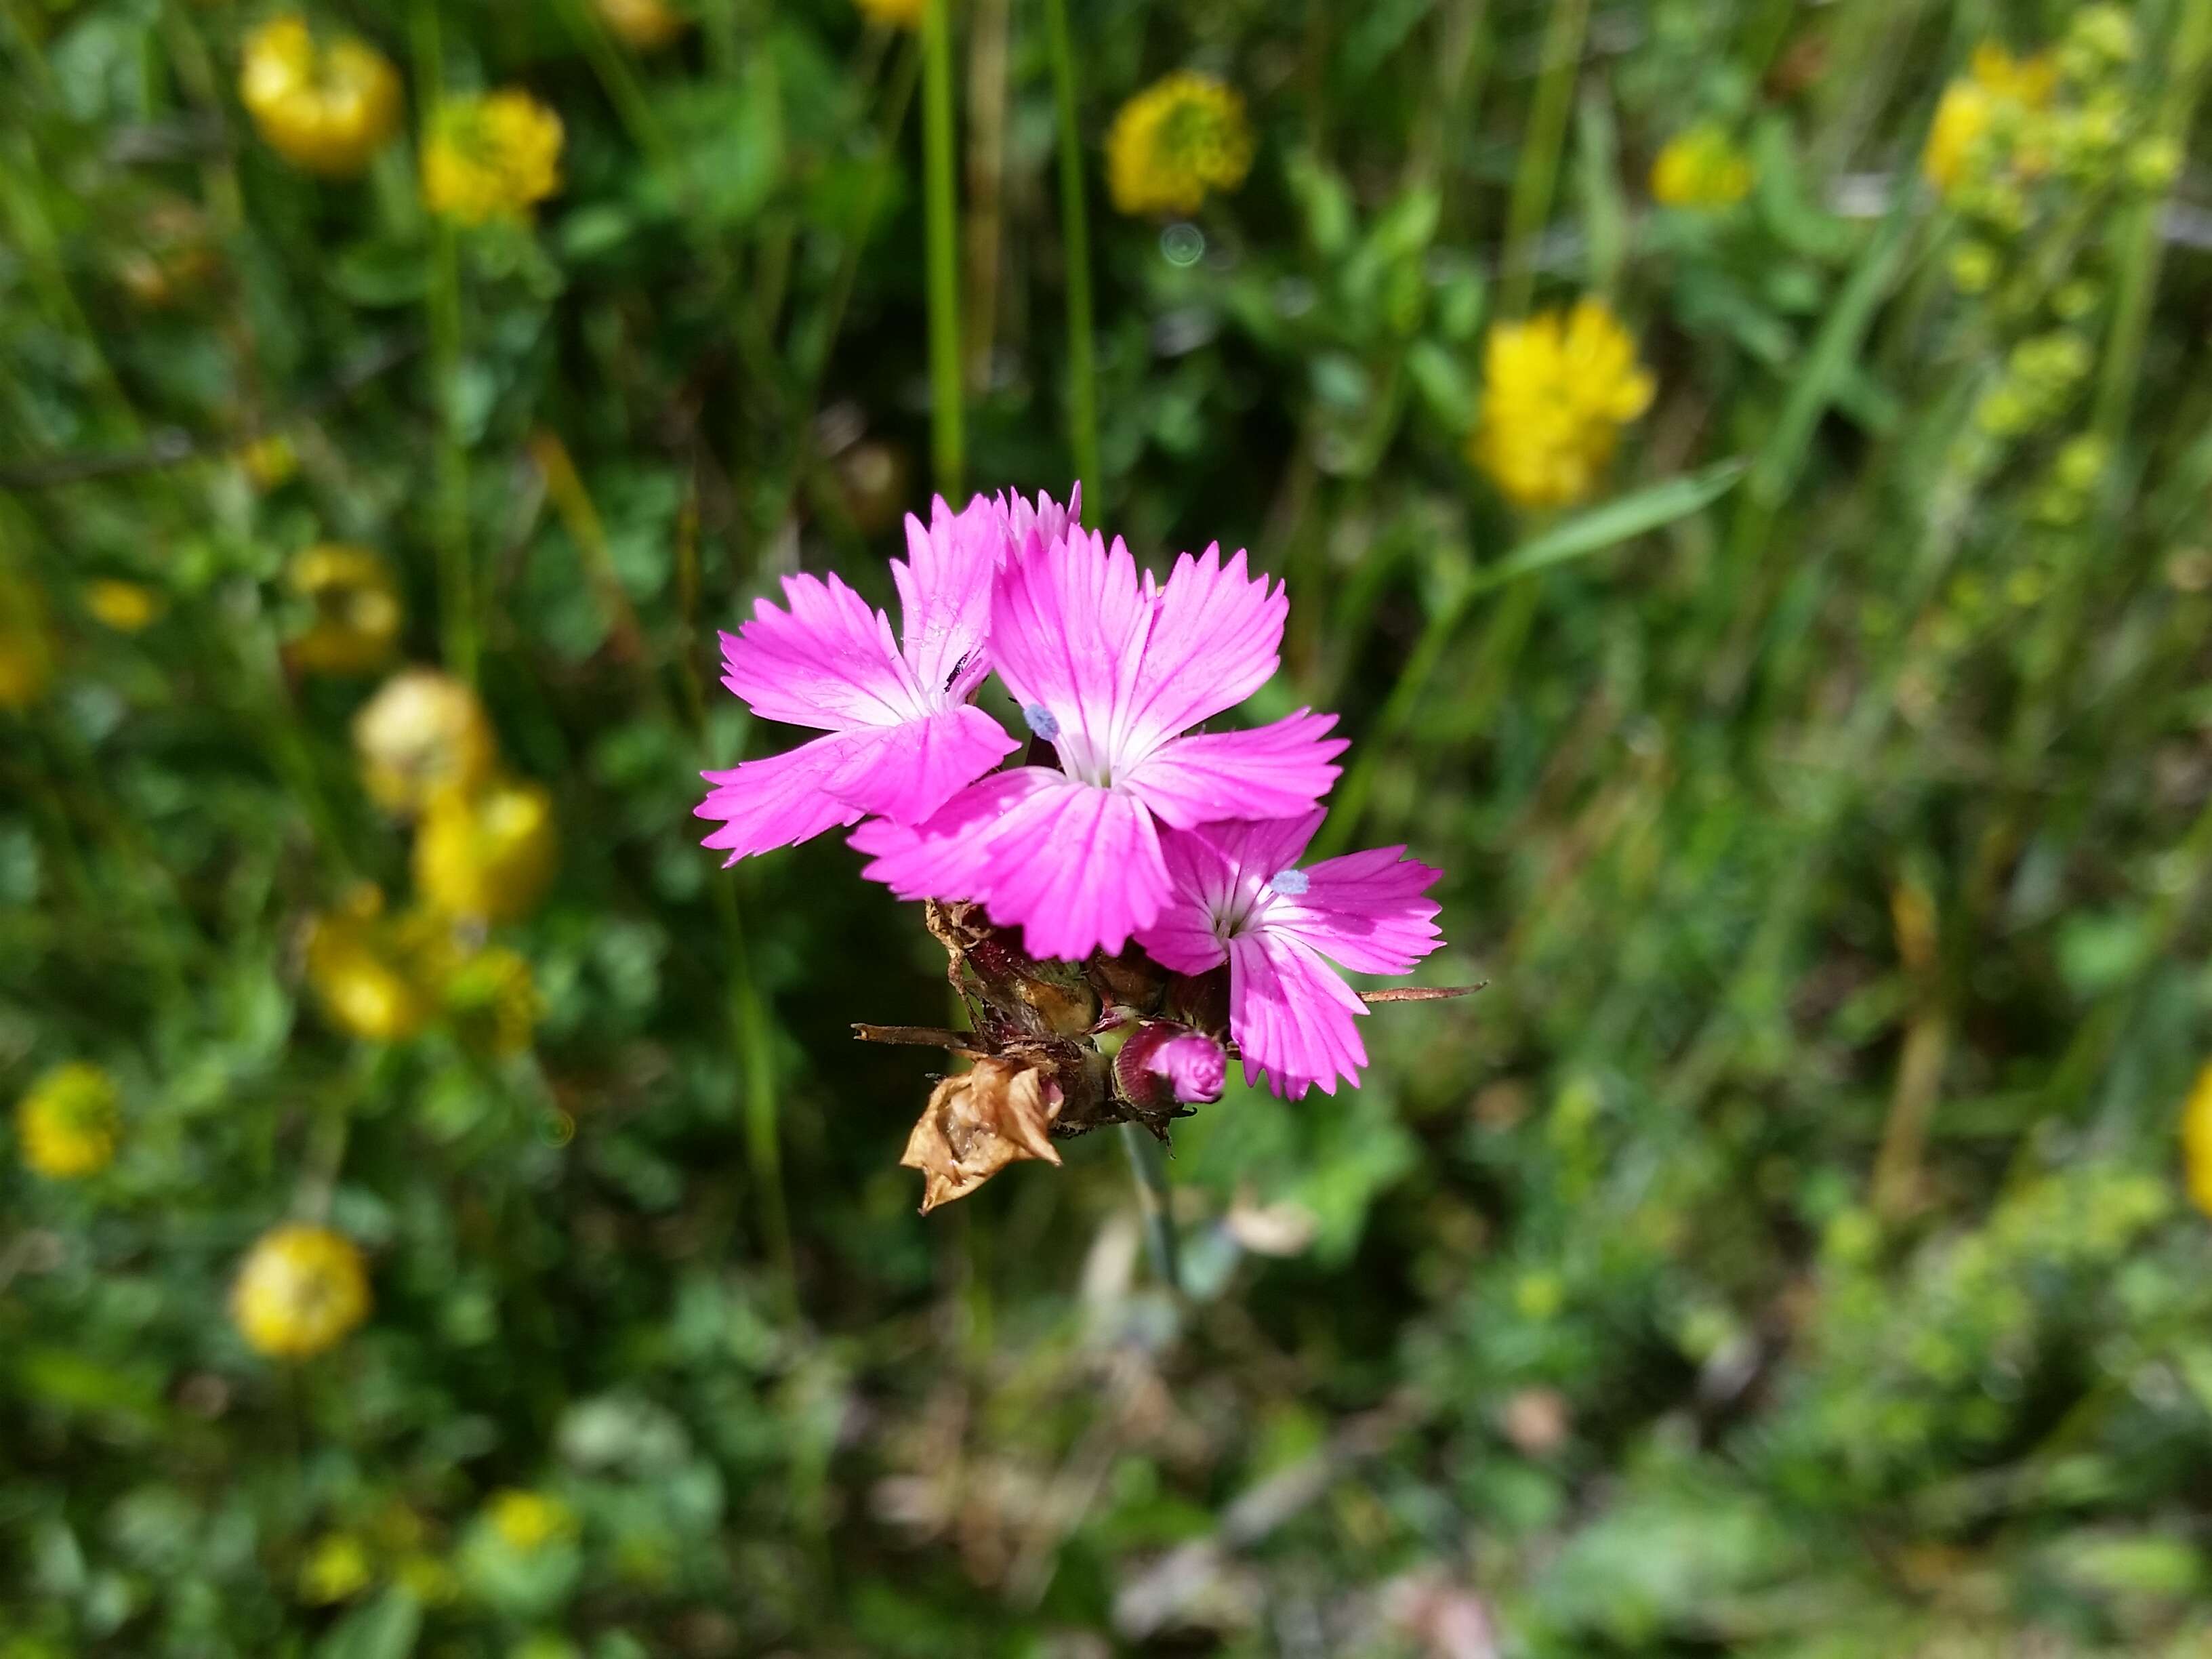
(1616, 521)
(383, 1629)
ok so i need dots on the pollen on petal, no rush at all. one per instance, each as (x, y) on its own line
(1041, 720)
(1292, 883)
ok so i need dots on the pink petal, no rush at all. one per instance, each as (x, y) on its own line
(1047, 517)
(1292, 1017)
(776, 802)
(907, 772)
(1078, 868)
(1365, 911)
(1277, 771)
(1069, 623)
(944, 593)
(948, 856)
(828, 662)
(1216, 641)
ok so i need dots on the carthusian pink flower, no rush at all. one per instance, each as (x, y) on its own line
(902, 736)
(1240, 897)
(1111, 668)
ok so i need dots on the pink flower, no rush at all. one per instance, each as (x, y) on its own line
(1112, 669)
(903, 736)
(1240, 897)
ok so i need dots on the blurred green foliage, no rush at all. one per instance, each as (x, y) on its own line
(1786, 1255)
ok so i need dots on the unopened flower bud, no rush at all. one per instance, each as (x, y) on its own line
(2153, 163)
(1163, 1063)
(1973, 267)
(977, 1123)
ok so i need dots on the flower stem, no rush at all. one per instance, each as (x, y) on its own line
(1075, 243)
(450, 509)
(1148, 1163)
(941, 214)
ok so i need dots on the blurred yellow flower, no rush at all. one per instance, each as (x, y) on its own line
(327, 108)
(126, 607)
(490, 156)
(301, 1291)
(1996, 83)
(27, 646)
(528, 1521)
(377, 978)
(335, 1569)
(894, 14)
(69, 1122)
(1181, 136)
(492, 997)
(268, 461)
(1557, 390)
(486, 854)
(646, 24)
(1701, 168)
(2196, 1141)
(358, 614)
(427, 1579)
(421, 734)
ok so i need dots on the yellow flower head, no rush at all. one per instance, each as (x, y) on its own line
(894, 14)
(492, 997)
(357, 611)
(1997, 84)
(377, 978)
(527, 1522)
(335, 1569)
(1181, 136)
(491, 156)
(325, 108)
(26, 646)
(126, 607)
(69, 1122)
(2196, 1141)
(268, 461)
(486, 854)
(301, 1290)
(1701, 168)
(647, 25)
(421, 734)
(1557, 390)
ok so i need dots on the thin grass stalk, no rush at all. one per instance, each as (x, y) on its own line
(1148, 1165)
(457, 618)
(987, 179)
(1075, 244)
(941, 208)
(1536, 177)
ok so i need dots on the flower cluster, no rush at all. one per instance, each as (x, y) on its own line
(69, 1122)
(1703, 167)
(1122, 821)
(1991, 101)
(301, 1291)
(327, 107)
(1183, 136)
(645, 25)
(354, 611)
(490, 156)
(1557, 390)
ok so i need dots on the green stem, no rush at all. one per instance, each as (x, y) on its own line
(1075, 239)
(450, 510)
(941, 208)
(755, 1036)
(1148, 1163)
(1539, 170)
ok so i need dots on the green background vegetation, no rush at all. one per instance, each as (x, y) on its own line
(1786, 1255)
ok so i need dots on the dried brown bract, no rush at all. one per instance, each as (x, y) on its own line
(979, 1121)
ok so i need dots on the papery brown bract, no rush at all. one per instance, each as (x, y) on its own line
(979, 1121)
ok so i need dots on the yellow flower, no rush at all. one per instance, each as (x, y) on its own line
(335, 1569)
(895, 14)
(490, 156)
(646, 24)
(486, 854)
(377, 978)
(2196, 1141)
(126, 607)
(356, 610)
(1996, 83)
(69, 1122)
(325, 108)
(1182, 136)
(27, 646)
(427, 1579)
(268, 461)
(1557, 390)
(301, 1290)
(527, 1522)
(492, 997)
(422, 734)
(1701, 168)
